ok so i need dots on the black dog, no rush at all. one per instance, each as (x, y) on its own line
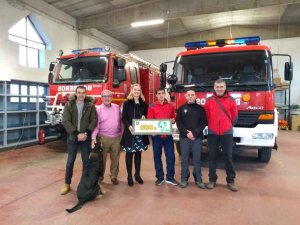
(88, 188)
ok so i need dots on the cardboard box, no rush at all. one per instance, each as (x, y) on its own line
(295, 122)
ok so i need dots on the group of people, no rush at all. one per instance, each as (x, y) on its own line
(113, 127)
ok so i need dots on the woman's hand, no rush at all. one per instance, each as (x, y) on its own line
(130, 129)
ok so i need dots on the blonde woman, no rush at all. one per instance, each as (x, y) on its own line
(134, 108)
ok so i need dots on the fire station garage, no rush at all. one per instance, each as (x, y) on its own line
(50, 47)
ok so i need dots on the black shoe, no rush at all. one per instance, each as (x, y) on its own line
(139, 179)
(130, 182)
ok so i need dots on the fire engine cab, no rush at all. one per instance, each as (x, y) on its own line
(97, 69)
(246, 66)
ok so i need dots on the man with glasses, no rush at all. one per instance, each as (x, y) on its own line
(109, 132)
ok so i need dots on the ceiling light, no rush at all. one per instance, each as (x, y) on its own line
(147, 23)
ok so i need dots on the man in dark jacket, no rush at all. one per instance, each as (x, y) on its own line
(79, 120)
(222, 114)
(191, 120)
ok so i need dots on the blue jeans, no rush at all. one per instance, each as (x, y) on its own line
(187, 146)
(168, 145)
(72, 146)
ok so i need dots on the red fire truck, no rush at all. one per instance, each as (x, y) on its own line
(97, 69)
(246, 66)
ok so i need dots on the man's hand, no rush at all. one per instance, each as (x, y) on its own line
(81, 137)
(190, 135)
(173, 121)
(94, 141)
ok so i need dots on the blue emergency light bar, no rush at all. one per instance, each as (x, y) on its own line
(254, 40)
(86, 50)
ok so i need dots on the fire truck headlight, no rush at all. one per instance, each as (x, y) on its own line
(266, 136)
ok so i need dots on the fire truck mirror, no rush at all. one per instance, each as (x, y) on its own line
(163, 80)
(172, 79)
(51, 66)
(50, 78)
(163, 68)
(288, 71)
(116, 83)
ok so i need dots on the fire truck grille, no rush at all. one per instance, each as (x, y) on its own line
(247, 119)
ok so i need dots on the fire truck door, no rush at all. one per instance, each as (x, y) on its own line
(121, 86)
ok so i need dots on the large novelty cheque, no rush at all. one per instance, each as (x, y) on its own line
(152, 126)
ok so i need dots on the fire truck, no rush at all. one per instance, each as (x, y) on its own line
(97, 69)
(246, 67)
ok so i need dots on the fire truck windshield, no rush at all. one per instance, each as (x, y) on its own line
(81, 70)
(238, 68)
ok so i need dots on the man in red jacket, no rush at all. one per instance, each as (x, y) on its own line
(161, 109)
(222, 114)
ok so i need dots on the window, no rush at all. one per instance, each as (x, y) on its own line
(30, 42)
(14, 90)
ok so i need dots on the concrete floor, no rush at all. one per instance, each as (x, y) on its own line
(31, 178)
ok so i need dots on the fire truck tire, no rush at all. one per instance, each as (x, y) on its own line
(264, 154)
(177, 144)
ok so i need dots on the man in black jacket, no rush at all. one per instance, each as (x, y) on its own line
(191, 120)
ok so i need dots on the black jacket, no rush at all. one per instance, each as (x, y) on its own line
(191, 117)
(132, 111)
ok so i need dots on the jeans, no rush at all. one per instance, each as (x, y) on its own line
(215, 143)
(168, 145)
(187, 146)
(72, 146)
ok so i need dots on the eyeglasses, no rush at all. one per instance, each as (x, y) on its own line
(106, 96)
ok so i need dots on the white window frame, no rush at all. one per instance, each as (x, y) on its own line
(29, 49)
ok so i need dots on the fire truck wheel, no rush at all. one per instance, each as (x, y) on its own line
(264, 154)
(177, 144)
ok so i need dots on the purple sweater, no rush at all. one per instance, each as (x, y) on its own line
(109, 121)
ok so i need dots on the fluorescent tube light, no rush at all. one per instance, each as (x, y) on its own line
(147, 23)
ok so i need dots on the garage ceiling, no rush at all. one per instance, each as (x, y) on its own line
(185, 20)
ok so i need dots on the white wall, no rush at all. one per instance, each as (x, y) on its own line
(62, 36)
(283, 46)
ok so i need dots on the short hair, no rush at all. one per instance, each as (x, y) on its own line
(80, 87)
(160, 89)
(190, 90)
(106, 90)
(218, 81)
(130, 96)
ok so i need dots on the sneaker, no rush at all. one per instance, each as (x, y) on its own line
(115, 181)
(211, 185)
(231, 186)
(200, 184)
(172, 182)
(65, 189)
(183, 184)
(159, 182)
